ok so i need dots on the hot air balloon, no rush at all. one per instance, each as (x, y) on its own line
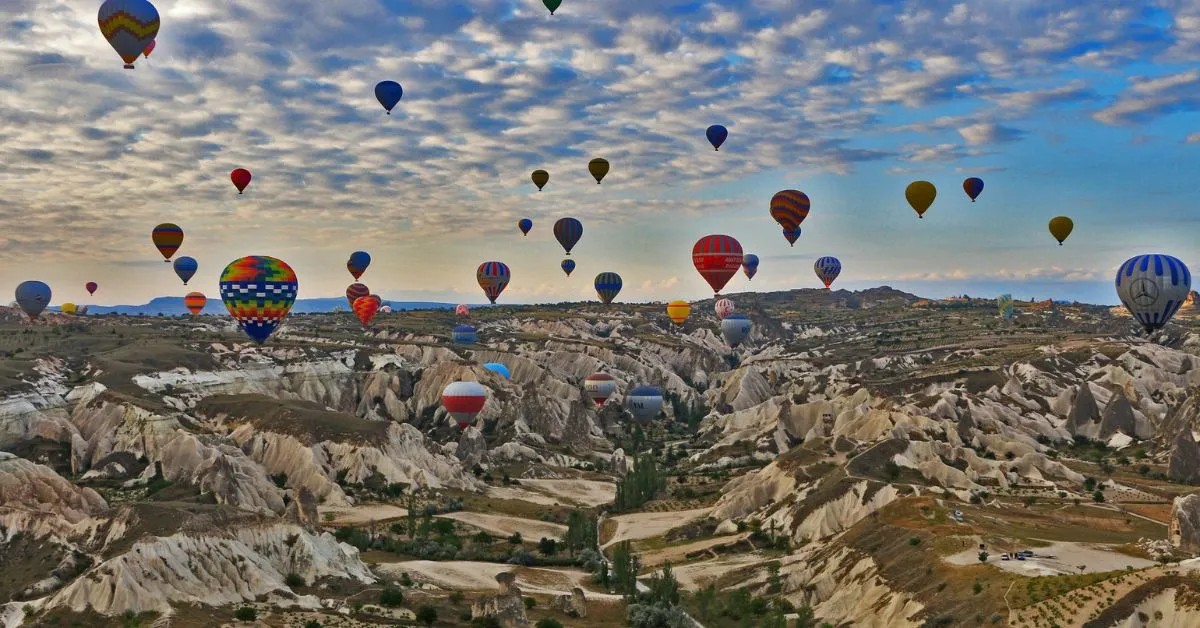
(524, 225)
(1153, 287)
(91, 287)
(259, 292)
(735, 328)
(568, 231)
(356, 291)
(388, 93)
(241, 178)
(827, 269)
(498, 369)
(149, 49)
(791, 235)
(365, 308)
(716, 135)
(599, 387)
(973, 187)
(723, 308)
(185, 268)
(463, 335)
(195, 302)
(462, 309)
(33, 297)
(130, 26)
(608, 285)
(717, 258)
(387, 309)
(464, 400)
(68, 308)
(493, 277)
(1060, 228)
(598, 167)
(540, 178)
(1004, 304)
(80, 310)
(167, 237)
(358, 263)
(678, 311)
(750, 265)
(789, 208)
(552, 5)
(568, 265)
(645, 402)
(920, 195)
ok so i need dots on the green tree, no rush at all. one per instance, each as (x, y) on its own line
(515, 539)
(245, 613)
(664, 588)
(548, 622)
(548, 547)
(624, 572)
(391, 597)
(427, 615)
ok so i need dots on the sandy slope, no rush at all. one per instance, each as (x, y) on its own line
(499, 524)
(364, 513)
(694, 576)
(464, 575)
(678, 553)
(643, 525)
(583, 492)
(520, 494)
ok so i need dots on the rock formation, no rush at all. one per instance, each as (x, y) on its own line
(507, 606)
(1184, 531)
(1184, 465)
(573, 604)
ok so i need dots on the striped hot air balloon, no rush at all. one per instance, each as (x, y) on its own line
(827, 269)
(789, 208)
(167, 238)
(678, 311)
(717, 258)
(356, 291)
(259, 292)
(130, 27)
(185, 268)
(608, 285)
(464, 400)
(463, 335)
(723, 308)
(366, 307)
(1153, 288)
(599, 387)
(195, 302)
(493, 277)
(568, 231)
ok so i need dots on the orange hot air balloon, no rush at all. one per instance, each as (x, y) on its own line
(366, 307)
(167, 238)
(195, 302)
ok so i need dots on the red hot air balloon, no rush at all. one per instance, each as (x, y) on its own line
(241, 178)
(366, 307)
(149, 49)
(462, 309)
(718, 258)
(464, 400)
(91, 287)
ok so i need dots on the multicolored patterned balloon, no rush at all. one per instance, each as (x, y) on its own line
(568, 266)
(493, 277)
(130, 27)
(259, 292)
(167, 238)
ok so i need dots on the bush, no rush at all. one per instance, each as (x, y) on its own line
(515, 539)
(293, 580)
(312, 623)
(548, 622)
(914, 540)
(427, 615)
(530, 603)
(391, 597)
(405, 580)
(456, 597)
(245, 613)
(485, 622)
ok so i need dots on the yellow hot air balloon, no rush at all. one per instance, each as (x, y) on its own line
(678, 311)
(598, 167)
(920, 195)
(68, 308)
(1060, 228)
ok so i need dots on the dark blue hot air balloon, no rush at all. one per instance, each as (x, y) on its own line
(33, 297)
(568, 231)
(525, 225)
(568, 265)
(717, 135)
(358, 263)
(186, 268)
(388, 93)
(608, 285)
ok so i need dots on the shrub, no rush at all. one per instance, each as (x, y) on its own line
(391, 597)
(427, 615)
(312, 623)
(293, 580)
(530, 603)
(245, 613)
(548, 622)
(914, 540)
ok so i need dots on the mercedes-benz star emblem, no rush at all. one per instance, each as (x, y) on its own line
(1144, 292)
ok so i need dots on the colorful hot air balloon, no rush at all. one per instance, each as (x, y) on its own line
(789, 208)
(1153, 288)
(463, 335)
(723, 308)
(678, 311)
(568, 265)
(524, 225)
(358, 263)
(540, 178)
(608, 285)
(130, 27)
(1004, 305)
(149, 49)
(973, 187)
(259, 292)
(462, 309)
(493, 277)
(498, 369)
(645, 402)
(33, 297)
(185, 268)
(920, 195)
(716, 135)
(599, 387)
(1060, 228)
(387, 309)
(365, 308)
(791, 235)
(68, 308)
(717, 258)
(750, 265)
(464, 400)
(827, 269)
(598, 167)
(356, 291)
(167, 238)
(552, 5)
(91, 287)
(388, 93)
(195, 302)
(241, 178)
(735, 328)
(568, 231)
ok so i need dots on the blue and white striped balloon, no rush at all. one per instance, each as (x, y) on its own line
(1153, 287)
(827, 269)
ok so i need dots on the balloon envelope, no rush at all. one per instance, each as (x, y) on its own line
(498, 369)
(599, 387)
(717, 258)
(678, 311)
(130, 27)
(525, 225)
(568, 265)
(149, 49)
(1060, 228)
(462, 309)
(723, 308)
(33, 297)
(750, 265)
(598, 167)
(540, 178)
(463, 335)
(365, 308)
(568, 231)
(973, 186)
(493, 277)
(358, 263)
(91, 287)
(185, 268)
(735, 328)
(258, 291)
(716, 135)
(355, 291)
(645, 402)
(241, 178)
(552, 5)
(464, 400)
(920, 195)
(791, 235)
(1153, 288)
(388, 93)
(789, 208)
(68, 308)
(167, 238)
(608, 285)
(1004, 305)
(195, 302)
(827, 269)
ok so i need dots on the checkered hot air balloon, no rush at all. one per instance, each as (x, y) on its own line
(259, 292)
(130, 27)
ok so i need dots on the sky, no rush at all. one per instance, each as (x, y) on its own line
(1085, 109)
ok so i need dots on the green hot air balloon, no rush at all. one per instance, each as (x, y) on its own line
(552, 5)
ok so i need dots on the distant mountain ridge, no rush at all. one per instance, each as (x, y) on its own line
(172, 306)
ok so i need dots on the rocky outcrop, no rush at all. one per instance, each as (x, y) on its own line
(1184, 465)
(1117, 416)
(573, 604)
(1184, 532)
(1084, 412)
(507, 606)
(618, 462)
(472, 448)
(36, 500)
(302, 510)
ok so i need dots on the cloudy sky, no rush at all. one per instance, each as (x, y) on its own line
(1063, 107)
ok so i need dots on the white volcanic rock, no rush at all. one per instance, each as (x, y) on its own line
(36, 500)
(844, 587)
(1184, 530)
(747, 493)
(843, 512)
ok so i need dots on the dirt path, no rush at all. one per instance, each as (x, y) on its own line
(643, 525)
(678, 553)
(588, 493)
(502, 525)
